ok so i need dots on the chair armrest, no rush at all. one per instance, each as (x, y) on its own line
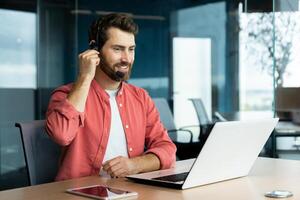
(205, 130)
(189, 126)
(219, 117)
(183, 130)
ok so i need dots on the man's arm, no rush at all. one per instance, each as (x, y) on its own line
(122, 166)
(65, 111)
(88, 62)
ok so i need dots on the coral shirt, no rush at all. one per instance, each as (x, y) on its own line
(84, 135)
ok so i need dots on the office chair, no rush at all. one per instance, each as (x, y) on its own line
(41, 153)
(205, 123)
(185, 150)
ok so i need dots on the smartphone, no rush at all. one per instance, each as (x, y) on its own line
(102, 192)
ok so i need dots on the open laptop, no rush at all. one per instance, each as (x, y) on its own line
(229, 152)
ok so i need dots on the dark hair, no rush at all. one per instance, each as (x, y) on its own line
(98, 29)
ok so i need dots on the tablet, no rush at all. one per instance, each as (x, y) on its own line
(102, 192)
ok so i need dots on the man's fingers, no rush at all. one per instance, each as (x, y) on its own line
(117, 167)
(86, 54)
(108, 164)
(114, 168)
(118, 173)
(95, 59)
(122, 174)
(90, 52)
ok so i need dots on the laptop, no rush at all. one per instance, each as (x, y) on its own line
(229, 152)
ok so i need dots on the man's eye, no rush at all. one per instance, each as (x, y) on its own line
(117, 49)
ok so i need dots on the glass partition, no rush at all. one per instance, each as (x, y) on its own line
(286, 75)
(269, 65)
(256, 61)
(269, 39)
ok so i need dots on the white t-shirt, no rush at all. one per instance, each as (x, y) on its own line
(117, 145)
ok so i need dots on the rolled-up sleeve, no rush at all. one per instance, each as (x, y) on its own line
(157, 140)
(62, 118)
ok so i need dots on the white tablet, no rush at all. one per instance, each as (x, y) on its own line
(102, 192)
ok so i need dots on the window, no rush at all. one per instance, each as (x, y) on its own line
(17, 49)
(256, 57)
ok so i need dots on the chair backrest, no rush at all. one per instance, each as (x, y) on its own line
(166, 116)
(201, 112)
(41, 153)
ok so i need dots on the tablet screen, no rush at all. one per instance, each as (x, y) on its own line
(102, 192)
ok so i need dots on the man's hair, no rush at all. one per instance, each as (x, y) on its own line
(98, 29)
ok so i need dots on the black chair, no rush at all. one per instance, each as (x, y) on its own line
(41, 153)
(205, 123)
(200, 111)
(185, 150)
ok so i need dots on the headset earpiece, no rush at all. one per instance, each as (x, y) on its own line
(93, 45)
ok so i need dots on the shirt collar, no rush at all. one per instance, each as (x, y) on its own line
(102, 92)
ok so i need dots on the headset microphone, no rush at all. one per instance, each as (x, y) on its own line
(120, 75)
(116, 76)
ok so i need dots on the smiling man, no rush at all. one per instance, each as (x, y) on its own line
(105, 125)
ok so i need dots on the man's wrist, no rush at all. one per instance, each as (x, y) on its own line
(84, 80)
(145, 163)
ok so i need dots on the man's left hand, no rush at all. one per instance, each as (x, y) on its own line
(123, 166)
(120, 167)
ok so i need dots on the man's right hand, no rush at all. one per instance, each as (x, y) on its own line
(88, 61)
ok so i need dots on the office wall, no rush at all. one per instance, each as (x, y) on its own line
(210, 23)
(16, 105)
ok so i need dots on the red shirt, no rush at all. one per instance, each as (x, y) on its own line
(84, 135)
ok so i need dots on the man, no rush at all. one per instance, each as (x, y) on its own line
(104, 124)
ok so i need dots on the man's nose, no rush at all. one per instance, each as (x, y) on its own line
(125, 56)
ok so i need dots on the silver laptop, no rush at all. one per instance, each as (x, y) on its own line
(229, 152)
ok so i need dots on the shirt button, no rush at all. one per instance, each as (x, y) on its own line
(120, 105)
(130, 149)
(126, 126)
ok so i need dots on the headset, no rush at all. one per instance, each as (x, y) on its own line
(94, 44)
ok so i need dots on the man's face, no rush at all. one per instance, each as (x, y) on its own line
(118, 52)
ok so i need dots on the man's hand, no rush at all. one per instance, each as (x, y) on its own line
(123, 166)
(88, 61)
(119, 167)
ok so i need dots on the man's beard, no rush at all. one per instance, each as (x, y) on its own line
(111, 73)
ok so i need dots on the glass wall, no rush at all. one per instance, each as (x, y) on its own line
(269, 44)
(18, 49)
(269, 66)
(35, 47)
(286, 73)
(256, 61)
(18, 80)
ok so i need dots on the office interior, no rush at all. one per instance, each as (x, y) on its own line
(241, 57)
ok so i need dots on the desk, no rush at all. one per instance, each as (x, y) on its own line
(267, 174)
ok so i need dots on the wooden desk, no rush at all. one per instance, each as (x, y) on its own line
(266, 175)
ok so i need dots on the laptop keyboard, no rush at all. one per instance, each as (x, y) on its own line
(173, 177)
